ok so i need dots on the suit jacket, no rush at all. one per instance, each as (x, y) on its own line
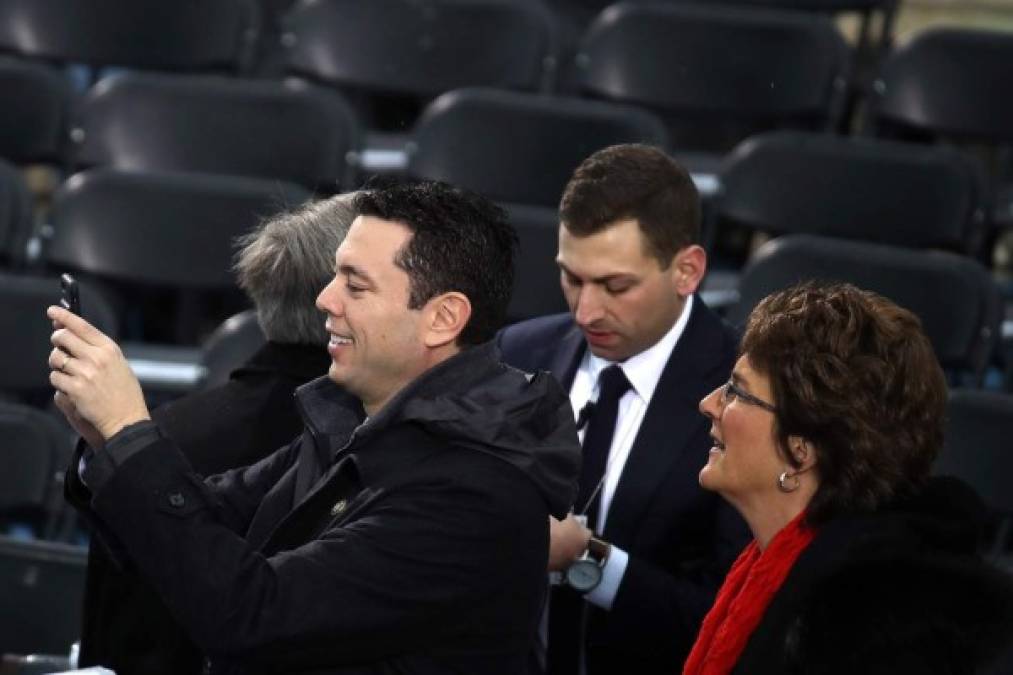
(414, 542)
(126, 626)
(680, 538)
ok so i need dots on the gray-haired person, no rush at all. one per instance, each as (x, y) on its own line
(281, 265)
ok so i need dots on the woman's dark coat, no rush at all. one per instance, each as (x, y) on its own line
(900, 591)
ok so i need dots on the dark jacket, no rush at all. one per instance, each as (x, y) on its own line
(900, 591)
(126, 627)
(414, 542)
(681, 539)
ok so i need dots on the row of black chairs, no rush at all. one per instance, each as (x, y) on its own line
(176, 229)
(520, 148)
(788, 69)
(339, 38)
(137, 223)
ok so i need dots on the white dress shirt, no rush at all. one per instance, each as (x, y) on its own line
(643, 370)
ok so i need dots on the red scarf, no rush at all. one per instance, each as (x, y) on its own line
(749, 587)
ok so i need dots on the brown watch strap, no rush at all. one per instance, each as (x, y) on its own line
(599, 550)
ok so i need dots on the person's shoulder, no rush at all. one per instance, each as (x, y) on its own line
(534, 344)
(553, 326)
(903, 613)
(719, 333)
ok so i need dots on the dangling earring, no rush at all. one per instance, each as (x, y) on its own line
(784, 486)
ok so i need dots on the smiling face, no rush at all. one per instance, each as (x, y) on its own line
(377, 344)
(745, 462)
(619, 295)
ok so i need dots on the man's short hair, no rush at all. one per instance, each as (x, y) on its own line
(285, 262)
(460, 241)
(634, 181)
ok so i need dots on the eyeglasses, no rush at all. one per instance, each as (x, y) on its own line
(730, 392)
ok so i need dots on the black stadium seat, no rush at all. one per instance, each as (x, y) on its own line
(954, 296)
(420, 49)
(184, 35)
(716, 74)
(886, 192)
(36, 102)
(952, 85)
(42, 586)
(15, 216)
(152, 122)
(173, 231)
(536, 280)
(230, 346)
(519, 147)
(25, 332)
(33, 455)
(978, 451)
(951, 82)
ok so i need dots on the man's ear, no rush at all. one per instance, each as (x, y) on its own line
(446, 316)
(688, 268)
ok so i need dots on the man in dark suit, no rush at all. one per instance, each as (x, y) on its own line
(630, 265)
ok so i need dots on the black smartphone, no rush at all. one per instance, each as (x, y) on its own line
(70, 296)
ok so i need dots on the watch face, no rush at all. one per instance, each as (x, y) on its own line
(583, 575)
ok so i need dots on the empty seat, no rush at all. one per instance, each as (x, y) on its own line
(15, 215)
(142, 231)
(420, 48)
(886, 192)
(951, 84)
(978, 451)
(36, 104)
(230, 346)
(151, 34)
(172, 229)
(716, 74)
(42, 586)
(949, 81)
(517, 147)
(150, 122)
(25, 332)
(33, 454)
(954, 296)
(536, 289)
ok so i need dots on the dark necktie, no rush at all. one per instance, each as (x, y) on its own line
(612, 384)
(566, 608)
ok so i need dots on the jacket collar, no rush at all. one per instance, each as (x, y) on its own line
(334, 415)
(297, 360)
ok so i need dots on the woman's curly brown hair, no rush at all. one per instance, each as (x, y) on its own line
(853, 374)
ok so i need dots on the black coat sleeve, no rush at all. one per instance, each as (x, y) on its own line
(370, 588)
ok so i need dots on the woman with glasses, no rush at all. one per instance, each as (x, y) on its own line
(861, 563)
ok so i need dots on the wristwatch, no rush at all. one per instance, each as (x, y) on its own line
(584, 574)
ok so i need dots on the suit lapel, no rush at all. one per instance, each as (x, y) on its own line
(566, 357)
(670, 422)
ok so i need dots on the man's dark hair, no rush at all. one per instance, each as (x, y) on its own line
(630, 181)
(460, 241)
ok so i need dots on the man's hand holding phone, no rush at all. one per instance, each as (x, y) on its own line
(95, 388)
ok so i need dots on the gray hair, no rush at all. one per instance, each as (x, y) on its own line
(285, 262)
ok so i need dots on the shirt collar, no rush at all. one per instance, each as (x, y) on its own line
(643, 370)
